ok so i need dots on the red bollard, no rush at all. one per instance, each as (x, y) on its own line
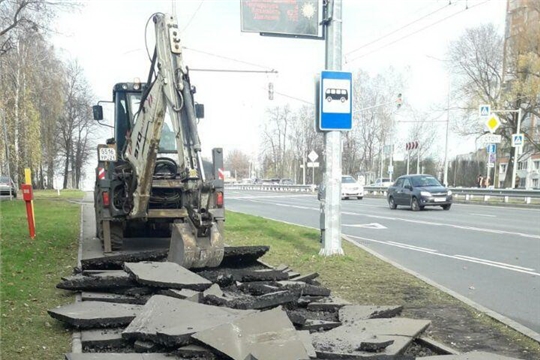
(28, 196)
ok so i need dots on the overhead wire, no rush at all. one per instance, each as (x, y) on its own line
(400, 28)
(227, 58)
(193, 16)
(415, 32)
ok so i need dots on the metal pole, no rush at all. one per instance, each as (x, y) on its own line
(445, 180)
(408, 159)
(418, 161)
(304, 171)
(514, 167)
(313, 174)
(331, 234)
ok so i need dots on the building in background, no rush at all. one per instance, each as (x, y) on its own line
(522, 17)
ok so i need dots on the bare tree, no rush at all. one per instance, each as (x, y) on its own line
(275, 136)
(238, 163)
(75, 126)
(26, 16)
(507, 79)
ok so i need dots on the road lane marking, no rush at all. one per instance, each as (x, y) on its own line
(424, 222)
(486, 215)
(496, 262)
(412, 246)
(368, 226)
(455, 257)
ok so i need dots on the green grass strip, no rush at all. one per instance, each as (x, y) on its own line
(30, 269)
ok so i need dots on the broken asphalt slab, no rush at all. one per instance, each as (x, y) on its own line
(387, 337)
(245, 255)
(475, 355)
(111, 356)
(93, 314)
(113, 298)
(234, 255)
(353, 313)
(113, 279)
(102, 338)
(328, 304)
(170, 321)
(267, 335)
(166, 275)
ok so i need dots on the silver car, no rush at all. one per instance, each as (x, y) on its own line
(7, 186)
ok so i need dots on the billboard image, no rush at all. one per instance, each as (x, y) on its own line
(287, 17)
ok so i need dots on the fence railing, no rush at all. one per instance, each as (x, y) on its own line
(467, 194)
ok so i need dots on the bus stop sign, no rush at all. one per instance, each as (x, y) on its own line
(335, 101)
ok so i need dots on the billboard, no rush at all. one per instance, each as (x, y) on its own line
(284, 17)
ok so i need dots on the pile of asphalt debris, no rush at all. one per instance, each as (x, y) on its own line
(150, 310)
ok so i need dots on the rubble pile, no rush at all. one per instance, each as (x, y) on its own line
(242, 310)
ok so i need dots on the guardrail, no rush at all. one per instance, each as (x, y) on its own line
(272, 187)
(467, 194)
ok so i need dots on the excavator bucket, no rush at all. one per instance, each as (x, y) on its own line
(190, 251)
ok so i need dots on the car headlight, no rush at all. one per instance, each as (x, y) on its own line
(425, 193)
(449, 193)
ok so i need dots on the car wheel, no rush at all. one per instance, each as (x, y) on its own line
(392, 203)
(446, 207)
(415, 206)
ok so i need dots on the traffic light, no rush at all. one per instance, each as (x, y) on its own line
(270, 91)
(399, 101)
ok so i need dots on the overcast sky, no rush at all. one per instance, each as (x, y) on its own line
(107, 37)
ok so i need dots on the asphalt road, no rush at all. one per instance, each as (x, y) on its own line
(489, 254)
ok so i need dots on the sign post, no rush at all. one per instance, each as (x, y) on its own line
(335, 115)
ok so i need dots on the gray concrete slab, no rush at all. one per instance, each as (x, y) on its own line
(102, 338)
(343, 343)
(213, 290)
(93, 314)
(347, 339)
(476, 355)
(305, 337)
(166, 274)
(116, 356)
(170, 321)
(395, 326)
(353, 313)
(114, 298)
(266, 335)
(186, 294)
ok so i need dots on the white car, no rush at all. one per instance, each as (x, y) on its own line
(351, 188)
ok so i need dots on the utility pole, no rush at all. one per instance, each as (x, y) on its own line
(445, 180)
(331, 234)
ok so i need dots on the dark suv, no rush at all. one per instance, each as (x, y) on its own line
(418, 191)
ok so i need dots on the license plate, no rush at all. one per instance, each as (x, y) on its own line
(439, 199)
(107, 154)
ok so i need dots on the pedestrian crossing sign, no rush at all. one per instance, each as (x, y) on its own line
(484, 110)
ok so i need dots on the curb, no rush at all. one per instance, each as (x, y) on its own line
(493, 314)
(76, 344)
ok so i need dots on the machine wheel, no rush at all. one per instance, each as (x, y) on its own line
(360, 197)
(446, 207)
(415, 206)
(342, 99)
(329, 98)
(117, 236)
(392, 203)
